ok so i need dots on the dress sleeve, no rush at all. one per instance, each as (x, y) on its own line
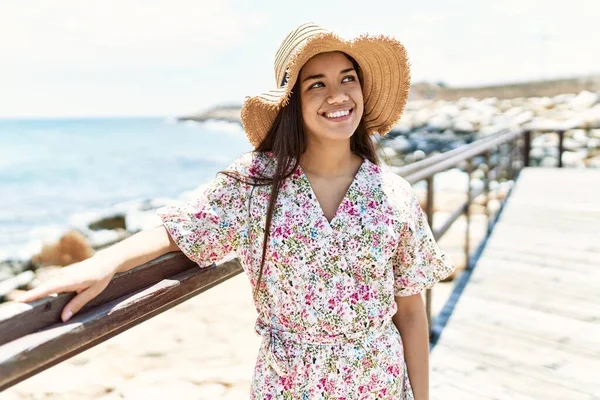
(208, 228)
(418, 262)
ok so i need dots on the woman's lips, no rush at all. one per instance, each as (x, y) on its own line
(338, 119)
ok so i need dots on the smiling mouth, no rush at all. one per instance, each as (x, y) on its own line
(338, 115)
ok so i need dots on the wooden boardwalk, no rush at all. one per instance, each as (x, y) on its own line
(527, 325)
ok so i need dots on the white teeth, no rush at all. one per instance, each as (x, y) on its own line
(337, 114)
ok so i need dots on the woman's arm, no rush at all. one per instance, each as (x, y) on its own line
(411, 321)
(140, 248)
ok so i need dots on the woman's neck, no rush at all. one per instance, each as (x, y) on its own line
(330, 161)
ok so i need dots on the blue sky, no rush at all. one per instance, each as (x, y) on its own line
(170, 57)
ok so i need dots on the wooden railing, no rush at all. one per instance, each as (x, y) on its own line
(33, 338)
(479, 154)
(501, 157)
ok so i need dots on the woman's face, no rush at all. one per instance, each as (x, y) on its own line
(331, 97)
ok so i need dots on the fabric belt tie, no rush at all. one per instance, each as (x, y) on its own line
(276, 352)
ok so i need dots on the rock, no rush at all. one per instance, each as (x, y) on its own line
(579, 135)
(427, 146)
(439, 122)
(583, 100)
(593, 162)
(545, 140)
(572, 144)
(105, 238)
(404, 126)
(477, 120)
(542, 102)
(514, 111)
(593, 143)
(563, 98)
(552, 152)
(574, 159)
(409, 158)
(455, 144)
(113, 222)
(401, 144)
(478, 174)
(10, 268)
(504, 105)
(389, 152)
(488, 130)
(490, 101)
(591, 118)
(548, 162)
(520, 119)
(461, 125)
(5, 273)
(419, 155)
(448, 136)
(9, 285)
(228, 112)
(537, 153)
(422, 117)
(449, 109)
(71, 248)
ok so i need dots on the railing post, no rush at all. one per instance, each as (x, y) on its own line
(511, 171)
(429, 213)
(487, 191)
(516, 160)
(429, 205)
(502, 152)
(561, 136)
(468, 214)
(526, 148)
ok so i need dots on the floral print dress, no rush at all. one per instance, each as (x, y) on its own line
(326, 300)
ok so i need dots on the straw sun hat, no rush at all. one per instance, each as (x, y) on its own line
(385, 78)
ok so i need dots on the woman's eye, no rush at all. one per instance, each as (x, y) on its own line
(316, 85)
(348, 78)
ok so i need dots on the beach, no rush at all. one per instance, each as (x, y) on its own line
(206, 347)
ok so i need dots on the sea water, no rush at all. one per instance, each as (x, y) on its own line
(55, 174)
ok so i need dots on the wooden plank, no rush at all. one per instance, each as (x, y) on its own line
(29, 354)
(527, 326)
(44, 312)
(583, 337)
(491, 379)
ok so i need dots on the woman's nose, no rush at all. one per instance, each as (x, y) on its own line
(337, 96)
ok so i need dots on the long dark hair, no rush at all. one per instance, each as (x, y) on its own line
(286, 140)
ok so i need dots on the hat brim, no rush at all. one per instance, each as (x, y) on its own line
(385, 83)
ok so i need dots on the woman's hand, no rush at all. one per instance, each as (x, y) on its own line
(87, 278)
(90, 277)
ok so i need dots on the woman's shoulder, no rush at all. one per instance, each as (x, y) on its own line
(251, 164)
(391, 180)
(397, 190)
(239, 174)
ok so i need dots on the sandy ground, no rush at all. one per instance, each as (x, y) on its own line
(204, 348)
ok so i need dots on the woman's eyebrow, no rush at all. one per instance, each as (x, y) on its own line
(321, 76)
(318, 76)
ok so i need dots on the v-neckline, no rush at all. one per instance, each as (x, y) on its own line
(316, 202)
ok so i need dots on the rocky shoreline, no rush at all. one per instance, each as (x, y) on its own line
(427, 127)
(433, 126)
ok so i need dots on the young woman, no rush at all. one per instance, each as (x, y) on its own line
(336, 248)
